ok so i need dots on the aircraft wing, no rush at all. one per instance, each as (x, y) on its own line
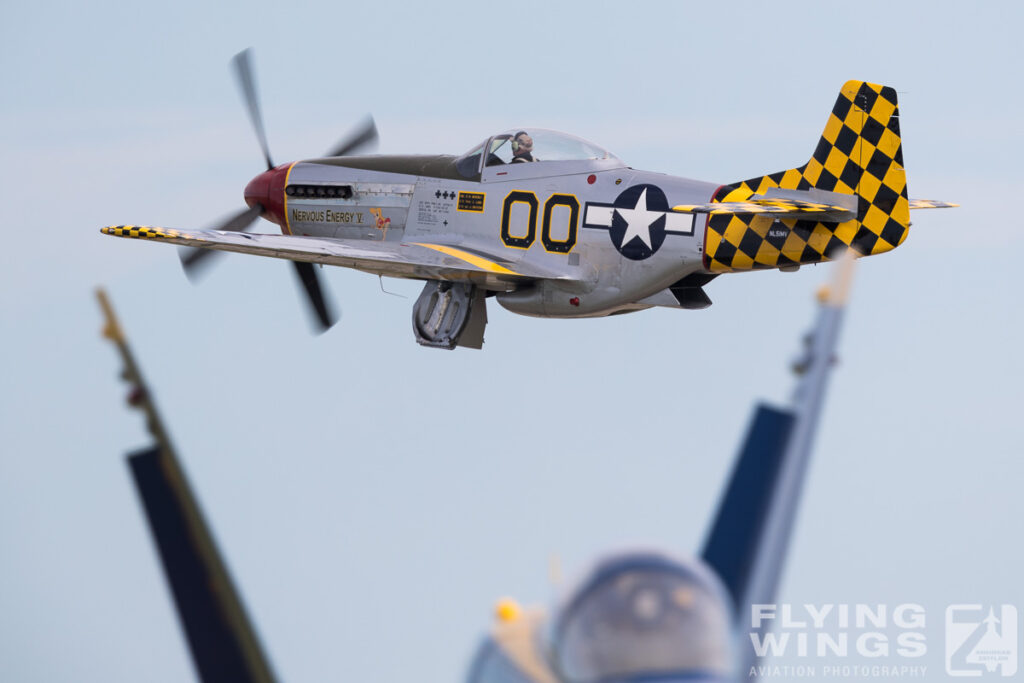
(417, 260)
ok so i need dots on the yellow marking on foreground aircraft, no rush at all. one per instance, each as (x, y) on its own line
(554, 226)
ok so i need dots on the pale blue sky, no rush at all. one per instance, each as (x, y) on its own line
(374, 496)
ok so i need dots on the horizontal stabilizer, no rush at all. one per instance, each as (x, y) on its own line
(931, 204)
(779, 208)
(780, 203)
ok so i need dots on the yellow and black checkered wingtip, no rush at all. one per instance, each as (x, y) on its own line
(143, 232)
(859, 154)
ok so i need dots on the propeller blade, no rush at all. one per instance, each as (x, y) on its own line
(192, 259)
(243, 71)
(363, 135)
(311, 283)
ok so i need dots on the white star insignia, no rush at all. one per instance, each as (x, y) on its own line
(639, 221)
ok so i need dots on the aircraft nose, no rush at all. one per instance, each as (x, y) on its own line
(258, 190)
(267, 190)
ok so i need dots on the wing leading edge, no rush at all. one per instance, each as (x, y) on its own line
(416, 260)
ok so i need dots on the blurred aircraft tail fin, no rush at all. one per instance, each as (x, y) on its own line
(220, 636)
(734, 542)
(750, 536)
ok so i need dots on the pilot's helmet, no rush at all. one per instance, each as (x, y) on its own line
(643, 616)
(522, 142)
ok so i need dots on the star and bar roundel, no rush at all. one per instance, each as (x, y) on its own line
(638, 220)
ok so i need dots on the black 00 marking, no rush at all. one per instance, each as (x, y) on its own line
(558, 246)
(526, 241)
(514, 197)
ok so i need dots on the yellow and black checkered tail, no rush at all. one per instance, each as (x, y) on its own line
(859, 154)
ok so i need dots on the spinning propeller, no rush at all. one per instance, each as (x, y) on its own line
(364, 135)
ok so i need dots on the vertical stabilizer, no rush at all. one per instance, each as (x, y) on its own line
(859, 155)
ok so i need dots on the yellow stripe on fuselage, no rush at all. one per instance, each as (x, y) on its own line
(472, 259)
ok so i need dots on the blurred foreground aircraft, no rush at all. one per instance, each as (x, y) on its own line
(553, 226)
(655, 618)
(637, 617)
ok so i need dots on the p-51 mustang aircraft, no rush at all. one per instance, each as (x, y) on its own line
(554, 226)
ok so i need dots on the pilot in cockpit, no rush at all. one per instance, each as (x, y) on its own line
(522, 147)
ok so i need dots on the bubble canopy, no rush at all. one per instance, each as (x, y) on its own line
(529, 145)
(643, 617)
